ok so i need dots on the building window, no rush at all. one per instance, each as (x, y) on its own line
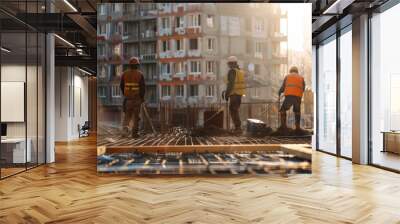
(103, 71)
(115, 91)
(259, 26)
(179, 67)
(327, 96)
(116, 7)
(102, 9)
(165, 69)
(102, 28)
(256, 92)
(210, 67)
(179, 90)
(165, 23)
(179, 22)
(248, 46)
(129, 8)
(258, 48)
(130, 29)
(166, 91)
(116, 28)
(194, 90)
(248, 24)
(256, 69)
(210, 44)
(210, 21)
(102, 91)
(195, 67)
(151, 93)
(101, 50)
(194, 20)
(117, 49)
(210, 90)
(193, 44)
(179, 44)
(165, 46)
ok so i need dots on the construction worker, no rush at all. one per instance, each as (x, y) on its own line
(293, 87)
(234, 91)
(133, 88)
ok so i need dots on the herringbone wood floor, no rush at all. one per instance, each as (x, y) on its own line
(70, 191)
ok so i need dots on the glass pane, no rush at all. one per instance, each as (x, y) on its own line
(346, 94)
(385, 89)
(327, 97)
(41, 99)
(31, 98)
(13, 86)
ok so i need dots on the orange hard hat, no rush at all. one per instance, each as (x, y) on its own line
(134, 61)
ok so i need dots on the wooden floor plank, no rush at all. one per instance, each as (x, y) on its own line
(71, 191)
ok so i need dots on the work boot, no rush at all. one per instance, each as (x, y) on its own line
(125, 132)
(238, 131)
(135, 134)
(297, 120)
(283, 121)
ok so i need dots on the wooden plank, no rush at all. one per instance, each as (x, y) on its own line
(299, 150)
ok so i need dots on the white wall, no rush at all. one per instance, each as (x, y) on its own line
(71, 103)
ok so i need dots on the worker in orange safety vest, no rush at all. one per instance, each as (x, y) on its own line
(293, 87)
(133, 88)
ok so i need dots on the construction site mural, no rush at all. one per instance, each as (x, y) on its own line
(204, 88)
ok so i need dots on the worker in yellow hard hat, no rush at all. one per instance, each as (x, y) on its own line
(234, 91)
(133, 88)
(293, 88)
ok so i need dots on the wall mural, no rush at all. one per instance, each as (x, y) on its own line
(212, 88)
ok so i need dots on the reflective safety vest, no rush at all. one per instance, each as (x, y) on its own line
(239, 87)
(294, 85)
(131, 83)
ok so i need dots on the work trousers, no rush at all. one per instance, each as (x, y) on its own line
(234, 109)
(132, 112)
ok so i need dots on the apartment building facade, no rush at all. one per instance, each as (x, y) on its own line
(183, 48)
(196, 39)
(125, 31)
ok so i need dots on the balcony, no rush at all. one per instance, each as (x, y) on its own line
(166, 98)
(208, 77)
(129, 38)
(102, 58)
(258, 55)
(180, 101)
(102, 37)
(279, 37)
(165, 54)
(165, 8)
(148, 57)
(194, 53)
(278, 59)
(148, 35)
(180, 30)
(164, 32)
(148, 14)
(116, 38)
(116, 15)
(193, 30)
(180, 75)
(193, 100)
(165, 77)
(179, 54)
